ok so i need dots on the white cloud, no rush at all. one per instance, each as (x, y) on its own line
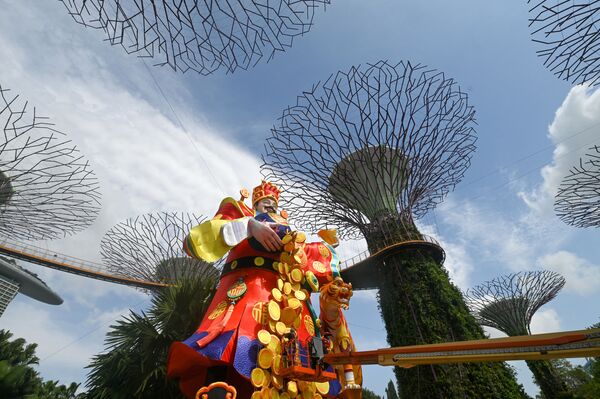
(144, 159)
(545, 321)
(575, 128)
(581, 276)
(458, 262)
(488, 235)
(65, 345)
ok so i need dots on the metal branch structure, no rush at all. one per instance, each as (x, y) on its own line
(47, 189)
(197, 35)
(578, 199)
(568, 36)
(367, 151)
(508, 304)
(150, 247)
(372, 145)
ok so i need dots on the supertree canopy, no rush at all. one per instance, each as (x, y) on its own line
(366, 151)
(150, 247)
(578, 200)
(371, 142)
(508, 304)
(197, 35)
(568, 36)
(47, 189)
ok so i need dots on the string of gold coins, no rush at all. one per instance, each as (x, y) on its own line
(284, 317)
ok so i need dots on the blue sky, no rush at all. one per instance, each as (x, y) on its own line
(531, 126)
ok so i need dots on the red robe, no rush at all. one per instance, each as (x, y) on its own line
(236, 345)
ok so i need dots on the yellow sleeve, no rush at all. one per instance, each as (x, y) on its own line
(205, 241)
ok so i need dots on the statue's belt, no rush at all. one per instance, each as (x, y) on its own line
(259, 262)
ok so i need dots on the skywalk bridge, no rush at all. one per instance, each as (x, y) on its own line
(69, 264)
(358, 269)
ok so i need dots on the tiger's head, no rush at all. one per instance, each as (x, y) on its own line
(337, 293)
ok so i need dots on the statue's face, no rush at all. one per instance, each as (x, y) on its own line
(266, 205)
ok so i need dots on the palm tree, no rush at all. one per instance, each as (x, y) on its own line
(134, 364)
(17, 376)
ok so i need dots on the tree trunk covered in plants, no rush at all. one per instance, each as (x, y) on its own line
(419, 305)
(548, 380)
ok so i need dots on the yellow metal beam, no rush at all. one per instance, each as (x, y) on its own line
(581, 343)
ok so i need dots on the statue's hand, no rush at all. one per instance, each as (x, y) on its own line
(265, 234)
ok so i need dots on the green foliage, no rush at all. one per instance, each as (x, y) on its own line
(419, 305)
(583, 382)
(19, 380)
(549, 380)
(390, 391)
(368, 394)
(134, 364)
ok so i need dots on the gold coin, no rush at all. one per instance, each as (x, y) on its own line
(296, 275)
(284, 395)
(302, 385)
(276, 365)
(274, 393)
(319, 267)
(265, 393)
(276, 294)
(265, 358)
(234, 264)
(294, 303)
(324, 251)
(259, 261)
(297, 321)
(274, 345)
(257, 377)
(317, 396)
(256, 395)
(277, 381)
(286, 238)
(267, 378)
(264, 337)
(289, 247)
(280, 328)
(281, 268)
(292, 388)
(288, 315)
(306, 394)
(312, 281)
(298, 259)
(300, 237)
(322, 387)
(287, 288)
(274, 310)
(300, 295)
(280, 284)
(275, 266)
(285, 257)
(272, 326)
(296, 286)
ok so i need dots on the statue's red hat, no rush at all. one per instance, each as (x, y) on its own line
(265, 190)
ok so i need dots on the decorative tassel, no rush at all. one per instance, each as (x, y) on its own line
(217, 329)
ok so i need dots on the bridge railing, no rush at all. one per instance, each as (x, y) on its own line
(51, 257)
(346, 263)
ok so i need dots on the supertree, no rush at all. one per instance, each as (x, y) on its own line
(508, 303)
(367, 151)
(47, 189)
(150, 247)
(568, 33)
(578, 199)
(197, 35)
